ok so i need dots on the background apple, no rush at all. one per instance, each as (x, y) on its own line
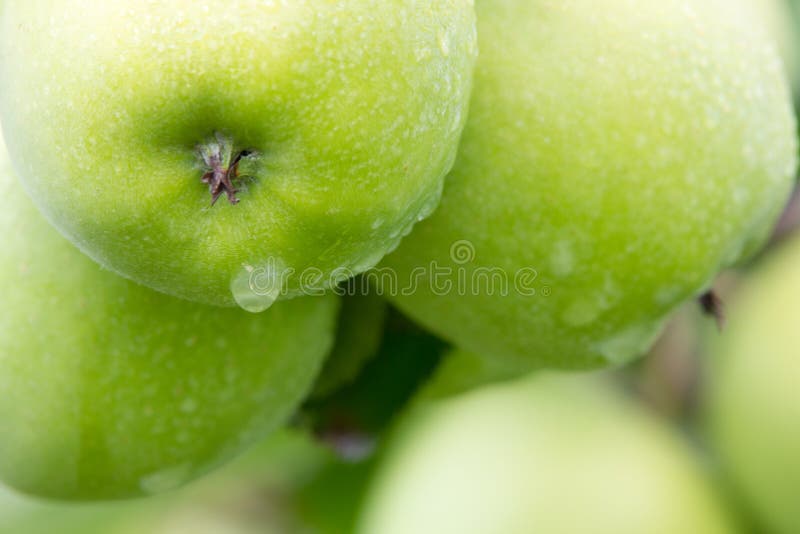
(286, 484)
(779, 17)
(109, 389)
(548, 453)
(752, 406)
(348, 114)
(615, 159)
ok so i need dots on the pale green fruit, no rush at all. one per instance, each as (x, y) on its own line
(617, 155)
(753, 398)
(547, 454)
(267, 490)
(354, 109)
(780, 21)
(109, 389)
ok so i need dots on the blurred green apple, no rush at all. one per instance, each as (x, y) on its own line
(334, 122)
(617, 155)
(109, 389)
(547, 454)
(753, 397)
(287, 483)
(782, 26)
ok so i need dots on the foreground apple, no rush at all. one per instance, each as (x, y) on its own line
(753, 400)
(321, 129)
(614, 160)
(109, 389)
(545, 454)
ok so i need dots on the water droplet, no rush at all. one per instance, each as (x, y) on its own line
(188, 405)
(630, 343)
(255, 289)
(368, 261)
(165, 479)
(562, 260)
(422, 53)
(429, 205)
(408, 227)
(734, 252)
(377, 223)
(393, 244)
(454, 127)
(581, 312)
(444, 43)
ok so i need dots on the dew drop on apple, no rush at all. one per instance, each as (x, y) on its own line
(368, 261)
(562, 260)
(188, 405)
(255, 289)
(431, 202)
(444, 43)
(165, 479)
(626, 345)
(581, 312)
(456, 124)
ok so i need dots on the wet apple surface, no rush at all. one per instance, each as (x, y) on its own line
(350, 113)
(615, 159)
(109, 389)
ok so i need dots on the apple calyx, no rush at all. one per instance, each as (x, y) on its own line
(222, 167)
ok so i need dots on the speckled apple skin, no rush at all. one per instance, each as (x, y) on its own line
(616, 157)
(111, 390)
(354, 108)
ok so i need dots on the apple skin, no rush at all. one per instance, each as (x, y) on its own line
(288, 483)
(547, 453)
(752, 400)
(354, 109)
(780, 19)
(111, 390)
(614, 160)
(780, 22)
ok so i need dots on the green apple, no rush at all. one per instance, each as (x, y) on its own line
(616, 157)
(753, 395)
(109, 389)
(781, 24)
(545, 454)
(324, 129)
(287, 483)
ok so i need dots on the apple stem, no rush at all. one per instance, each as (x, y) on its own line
(221, 169)
(713, 306)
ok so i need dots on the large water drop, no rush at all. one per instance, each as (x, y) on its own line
(626, 345)
(255, 289)
(165, 479)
